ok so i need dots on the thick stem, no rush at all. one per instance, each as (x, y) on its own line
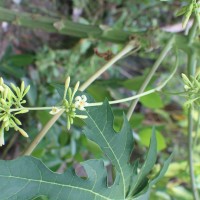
(192, 62)
(66, 27)
(124, 51)
(151, 73)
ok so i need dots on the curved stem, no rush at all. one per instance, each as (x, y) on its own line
(142, 94)
(152, 72)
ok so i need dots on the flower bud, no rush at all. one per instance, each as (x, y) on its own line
(23, 132)
(76, 87)
(67, 82)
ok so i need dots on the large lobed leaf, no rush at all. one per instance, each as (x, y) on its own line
(26, 178)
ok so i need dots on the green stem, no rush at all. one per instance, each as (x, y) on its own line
(66, 27)
(191, 71)
(142, 94)
(34, 108)
(42, 133)
(192, 62)
(124, 51)
(152, 72)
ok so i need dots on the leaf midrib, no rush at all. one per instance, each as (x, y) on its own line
(121, 171)
(58, 184)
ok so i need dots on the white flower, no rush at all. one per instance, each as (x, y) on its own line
(54, 110)
(81, 102)
(2, 142)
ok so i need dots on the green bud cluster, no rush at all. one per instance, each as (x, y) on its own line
(68, 103)
(11, 99)
(192, 90)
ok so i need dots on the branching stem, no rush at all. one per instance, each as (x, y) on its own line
(150, 75)
(130, 46)
(157, 89)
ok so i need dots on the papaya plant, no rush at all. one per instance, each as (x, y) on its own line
(28, 178)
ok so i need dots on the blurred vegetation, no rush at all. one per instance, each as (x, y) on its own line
(44, 59)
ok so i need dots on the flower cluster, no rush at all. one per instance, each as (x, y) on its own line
(11, 100)
(69, 105)
(192, 89)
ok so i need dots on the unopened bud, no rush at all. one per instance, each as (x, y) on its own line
(23, 132)
(81, 116)
(186, 80)
(22, 87)
(1, 81)
(76, 87)
(67, 82)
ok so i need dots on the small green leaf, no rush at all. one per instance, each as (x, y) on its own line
(22, 60)
(145, 136)
(101, 94)
(162, 171)
(136, 82)
(152, 100)
(141, 178)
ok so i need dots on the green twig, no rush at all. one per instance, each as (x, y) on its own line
(34, 108)
(152, 72)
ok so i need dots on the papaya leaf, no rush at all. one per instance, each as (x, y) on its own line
(140, 180)
(117, 146)
(27, 177)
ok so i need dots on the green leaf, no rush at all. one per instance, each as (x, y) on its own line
(152, 100)
(162, 171)
(117, 146)
(21, 60)
(140, 180)
(101, 94)
(145, 135)
(136, 82)
(27, 177)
